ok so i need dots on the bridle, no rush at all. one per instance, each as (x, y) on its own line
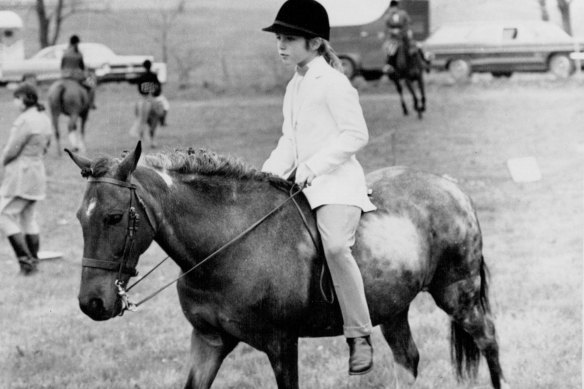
(120, 263)
(133, 218)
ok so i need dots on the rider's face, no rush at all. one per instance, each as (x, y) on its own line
(294, 50)
(19, 104)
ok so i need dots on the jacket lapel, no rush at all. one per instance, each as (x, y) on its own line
(318, 68)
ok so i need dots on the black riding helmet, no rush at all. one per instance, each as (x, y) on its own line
(306, 18)
(28, 93)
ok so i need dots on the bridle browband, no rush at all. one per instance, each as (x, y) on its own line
(121, 266)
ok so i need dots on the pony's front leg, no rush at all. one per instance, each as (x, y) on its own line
(208, 351)
(282, 351)
(401, 95)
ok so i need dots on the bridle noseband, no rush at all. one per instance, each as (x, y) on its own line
(121, 265)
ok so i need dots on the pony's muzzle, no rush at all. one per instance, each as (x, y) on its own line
(95, 309)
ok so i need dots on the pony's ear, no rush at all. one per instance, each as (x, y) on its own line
(129, 163)
(80, 161)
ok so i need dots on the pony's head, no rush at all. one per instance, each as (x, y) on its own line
(117, 229)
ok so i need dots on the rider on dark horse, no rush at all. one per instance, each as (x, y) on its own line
(398, 32)
(73, 68)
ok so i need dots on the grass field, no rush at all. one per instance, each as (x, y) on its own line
(532, 233)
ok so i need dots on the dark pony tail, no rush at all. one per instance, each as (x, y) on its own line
(40, 107)
(463, 350)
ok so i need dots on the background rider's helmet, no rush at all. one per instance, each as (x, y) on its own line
(28, 93)
(306, 18)
(394, 3)
(74, 40)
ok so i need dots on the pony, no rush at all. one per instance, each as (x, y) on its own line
(406, 63)
(263, 286)
(149, 113)
(69, 98)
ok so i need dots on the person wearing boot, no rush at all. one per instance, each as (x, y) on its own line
(322, 131)
(24, 181)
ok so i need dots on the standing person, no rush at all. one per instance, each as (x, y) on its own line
(73, 68)
(322, 131)
(24, 180)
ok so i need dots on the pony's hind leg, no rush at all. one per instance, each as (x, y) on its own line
(472, 328)
(405, 353)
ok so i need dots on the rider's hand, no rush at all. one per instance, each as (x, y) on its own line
(304, 176)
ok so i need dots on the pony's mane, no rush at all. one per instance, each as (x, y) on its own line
(202, 162)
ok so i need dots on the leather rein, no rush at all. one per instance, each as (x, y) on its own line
(133, 218)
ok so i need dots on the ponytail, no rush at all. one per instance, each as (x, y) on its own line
(325, 49)
(40, 107)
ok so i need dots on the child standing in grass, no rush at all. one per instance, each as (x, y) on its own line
(323, 129)
(24, 179)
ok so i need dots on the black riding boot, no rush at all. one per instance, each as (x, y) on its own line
(33, 242)
(361, 359)
(28, 264)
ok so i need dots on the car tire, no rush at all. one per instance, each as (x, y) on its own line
(459, 69)
(561, 66)
(349, 67)
(30, 79)
(501, 74)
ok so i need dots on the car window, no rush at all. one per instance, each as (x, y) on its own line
(48, 53)
(548, 32)
(449, 34)
(485, 34)
(96, 52)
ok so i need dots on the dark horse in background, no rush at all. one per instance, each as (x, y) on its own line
(406, 62)
(70, 98)
(264, 289)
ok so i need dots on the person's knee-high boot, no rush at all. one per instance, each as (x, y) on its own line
(27, 262)
(33, 242)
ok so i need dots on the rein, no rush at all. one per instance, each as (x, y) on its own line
(133, 218)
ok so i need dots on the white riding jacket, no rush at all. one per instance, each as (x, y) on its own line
(323, 128)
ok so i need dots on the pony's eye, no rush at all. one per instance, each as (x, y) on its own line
(113, 218)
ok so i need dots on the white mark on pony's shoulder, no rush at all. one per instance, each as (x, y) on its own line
(90, 207)
(391, 239)
(165, 176)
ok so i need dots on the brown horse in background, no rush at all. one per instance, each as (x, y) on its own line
(264, 289)
(69, 98)
(149, 113)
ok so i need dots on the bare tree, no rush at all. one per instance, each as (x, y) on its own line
(167, 18)
(545, 15)
(564, 7)
(51, 18)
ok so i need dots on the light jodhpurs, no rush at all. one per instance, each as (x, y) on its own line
(337, 225)
(19, 216)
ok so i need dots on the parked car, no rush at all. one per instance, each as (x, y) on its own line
(45, 65)
(502, 48)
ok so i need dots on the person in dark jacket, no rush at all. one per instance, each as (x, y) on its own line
(73, 68)
(24, 181)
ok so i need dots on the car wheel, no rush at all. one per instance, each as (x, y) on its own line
(30, 79)
(561, 66)
(348, 67)
(502, 74)
(459, 69)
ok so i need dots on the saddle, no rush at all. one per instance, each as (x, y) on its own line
(327, 290)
